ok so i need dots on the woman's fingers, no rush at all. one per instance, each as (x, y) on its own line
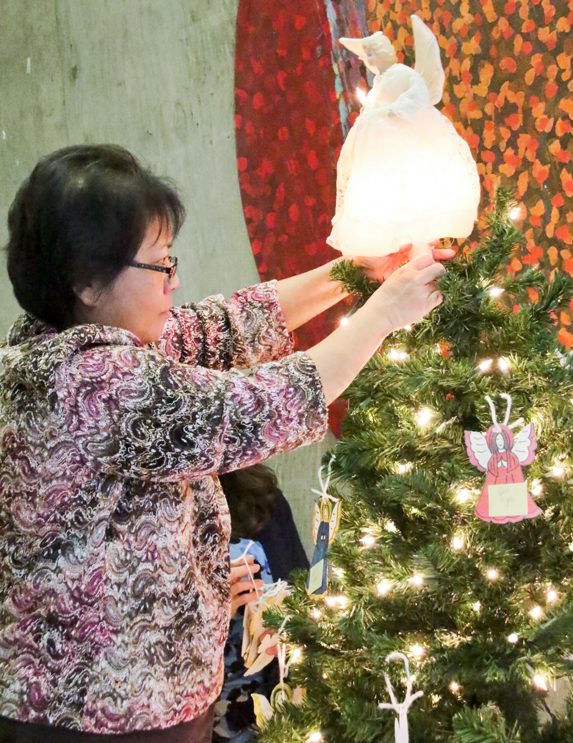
(240, 571)
(246, 586)
(443, 254)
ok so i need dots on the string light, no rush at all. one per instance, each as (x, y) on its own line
(463, 495)
(495, 291)
(339, 572)
(315, 613)
(536, 488)
(368, 540)
(384, 587)
(485, 365)
(492, 574)
(536, 612)
(336, 602)
(343, 322)
(403, 467)
(571, 547)
(458, 542)
(503, 364)
(417, 650)
(454, 687)
(408, 329)
(315, 737)
(476, 606)
(558, 471)
(396, 354)
(424, 416)
(515, 213)
(540, 682)
(417, 580)
(552, 596)
(295, 655)
(390, 526)
(513, 638)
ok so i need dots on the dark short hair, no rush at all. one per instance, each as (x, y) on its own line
(251, 496)
(79, 218)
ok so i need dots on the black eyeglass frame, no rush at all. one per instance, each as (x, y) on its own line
(169, 271)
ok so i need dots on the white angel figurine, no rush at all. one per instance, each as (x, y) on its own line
(505, 497)
(404, 174)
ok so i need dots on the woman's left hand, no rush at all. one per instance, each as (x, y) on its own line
(378, 268)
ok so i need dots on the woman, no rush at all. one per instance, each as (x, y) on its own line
(117, 412)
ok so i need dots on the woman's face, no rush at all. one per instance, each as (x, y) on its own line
(500, 442)
(139, 300)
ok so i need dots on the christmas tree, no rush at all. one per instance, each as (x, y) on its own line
(482, 610)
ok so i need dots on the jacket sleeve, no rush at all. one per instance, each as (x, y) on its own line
(245, 330)
(134, 412)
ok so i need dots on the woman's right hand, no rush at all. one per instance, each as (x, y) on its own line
(410, 292)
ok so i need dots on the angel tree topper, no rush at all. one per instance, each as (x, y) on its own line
(404, 174)
(505, 497)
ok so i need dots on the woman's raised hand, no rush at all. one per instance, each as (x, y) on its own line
(410, 292)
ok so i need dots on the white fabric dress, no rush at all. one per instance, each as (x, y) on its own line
(404, 174)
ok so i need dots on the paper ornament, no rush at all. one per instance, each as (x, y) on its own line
(257, 640)
(325, 522)
(505, 497)
(404, 174)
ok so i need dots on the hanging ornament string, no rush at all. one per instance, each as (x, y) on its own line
(325, 484)
(506, 422)
(243, 558)
(400, 708)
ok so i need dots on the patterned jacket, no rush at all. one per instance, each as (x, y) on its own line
(114, 596)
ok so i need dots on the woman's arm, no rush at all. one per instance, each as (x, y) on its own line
(304, 296)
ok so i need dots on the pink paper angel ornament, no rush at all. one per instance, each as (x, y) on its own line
(505, 497)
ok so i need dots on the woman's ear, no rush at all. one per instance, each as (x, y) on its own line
(88, 295)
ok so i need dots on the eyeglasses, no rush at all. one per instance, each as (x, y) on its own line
(169, 270)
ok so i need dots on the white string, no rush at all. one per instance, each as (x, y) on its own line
(508, 410)
(400, 708)
(323, 492)
(243, 558)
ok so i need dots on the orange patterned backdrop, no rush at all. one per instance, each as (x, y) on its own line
(509, 93)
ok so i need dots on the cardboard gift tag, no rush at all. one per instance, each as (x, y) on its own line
(508, 500)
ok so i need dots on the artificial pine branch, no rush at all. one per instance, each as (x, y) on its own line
(484, 725)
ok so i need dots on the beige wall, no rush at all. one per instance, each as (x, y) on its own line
(155, 76)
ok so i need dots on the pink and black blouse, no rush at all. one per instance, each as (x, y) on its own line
(114, 575)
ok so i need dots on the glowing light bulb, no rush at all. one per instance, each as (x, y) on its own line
(368, 540)
(485, 365)
(417, 580)
(463, 495)
(408, 329)
(454, 687)
(492, 574)
(296, 655)
(458, 542)
(315, 737)
(495, 291)
(476, 606)
(513, 638)
(339, 572)
(384, 587)
(403, 467)
(391, 526)
(343, 322)
(571, 547)
(336, 602)
(503, 364)
(540, 682)
(515, 214)
(558, 471)
(552, 596)
(325, 675)
(315, 613)
(536, 612)
(536, 488)
(396, 354)
(424, 416)
(418, 651)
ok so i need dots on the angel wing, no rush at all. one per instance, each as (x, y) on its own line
(478, 450)
(376, 51)
(334, 520)
(428, 63)
(525, 444)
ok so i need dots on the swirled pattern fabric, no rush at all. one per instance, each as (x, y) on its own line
(114, 584)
